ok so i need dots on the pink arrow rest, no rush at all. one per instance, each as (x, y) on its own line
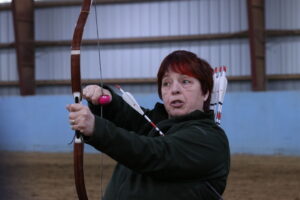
(104, 99)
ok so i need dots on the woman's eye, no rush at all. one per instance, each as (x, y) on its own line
(165, 84)
(186, 81)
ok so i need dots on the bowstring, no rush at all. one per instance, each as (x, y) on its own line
(101, 85)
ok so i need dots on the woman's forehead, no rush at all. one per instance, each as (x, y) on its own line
(171, 72)
(180, 69)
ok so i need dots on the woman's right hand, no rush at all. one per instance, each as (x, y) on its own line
(92, 93)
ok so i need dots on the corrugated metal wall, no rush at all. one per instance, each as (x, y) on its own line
(157, 18)
(8, 69)
(142, 20)
(283, 52)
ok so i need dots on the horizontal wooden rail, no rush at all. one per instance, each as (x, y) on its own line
(275, 77)
(137, 40)
(158, 39)
(49, 4)
(7, 45)
(280, 33)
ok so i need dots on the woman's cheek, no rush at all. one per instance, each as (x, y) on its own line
(165, 100)
(164, 96)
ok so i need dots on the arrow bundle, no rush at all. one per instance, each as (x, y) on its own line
(218, 93)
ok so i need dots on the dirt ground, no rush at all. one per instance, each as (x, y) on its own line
(49, 176)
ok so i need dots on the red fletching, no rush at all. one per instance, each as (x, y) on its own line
(218, 115)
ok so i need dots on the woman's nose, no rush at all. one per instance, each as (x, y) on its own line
(175, 89)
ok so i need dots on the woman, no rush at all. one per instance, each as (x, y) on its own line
(190, 162)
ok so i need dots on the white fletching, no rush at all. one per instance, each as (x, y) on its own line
(213, 100)
(222, 86)
(218, 93)
(132, 102)
(217, 84)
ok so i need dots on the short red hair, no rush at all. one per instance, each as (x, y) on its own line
(188, 63)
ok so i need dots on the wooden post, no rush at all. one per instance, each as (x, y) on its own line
(23, 16)
(256, 23)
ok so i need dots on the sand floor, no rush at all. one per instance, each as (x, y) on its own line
(49, 176)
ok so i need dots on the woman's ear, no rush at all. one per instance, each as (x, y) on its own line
(206, 96)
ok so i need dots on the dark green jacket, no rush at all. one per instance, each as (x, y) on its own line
(193, 152)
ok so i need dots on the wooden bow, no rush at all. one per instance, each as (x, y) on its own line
(76, 91)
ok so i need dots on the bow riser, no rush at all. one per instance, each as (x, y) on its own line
(75, 76)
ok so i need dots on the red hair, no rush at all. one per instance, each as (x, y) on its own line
(188, 63)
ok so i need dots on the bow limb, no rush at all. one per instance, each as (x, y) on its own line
(76, 91)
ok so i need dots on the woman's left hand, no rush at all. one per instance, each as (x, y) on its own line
(81, 119)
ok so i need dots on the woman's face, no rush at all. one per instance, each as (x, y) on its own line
(181, 94)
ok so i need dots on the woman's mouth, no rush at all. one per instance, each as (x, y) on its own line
(176, 104)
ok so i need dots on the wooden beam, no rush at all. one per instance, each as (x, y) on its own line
(281, 33)
(23, 16)
(273, 77)
(7, 45)
(5, 6)
(159, 39)
(47, 4)
(256, 23)
(138, 40)
(57, 3)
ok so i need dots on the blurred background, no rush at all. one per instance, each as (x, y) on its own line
(258, 41)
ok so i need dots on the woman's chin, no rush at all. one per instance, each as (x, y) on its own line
(177, 113)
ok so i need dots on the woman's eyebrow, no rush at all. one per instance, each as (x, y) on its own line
(165, 76)
(186, 76)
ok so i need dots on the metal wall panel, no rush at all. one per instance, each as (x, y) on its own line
(168, 18)
(283, 55)
(282, 14)
(283, 52)
(145, 19)
(8, 69)
(141, 20)
(53, 63)
(9, 91)
(6, 27)
(157, 18)
(140, 60)
(284, 85)
(55, 23)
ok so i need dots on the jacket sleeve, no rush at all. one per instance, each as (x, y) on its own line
(188, 152)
